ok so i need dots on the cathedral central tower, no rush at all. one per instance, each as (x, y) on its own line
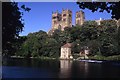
(66, 19)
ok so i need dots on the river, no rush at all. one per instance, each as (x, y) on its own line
(36, 68)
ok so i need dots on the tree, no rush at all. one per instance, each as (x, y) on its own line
(118, 39)
(34, 44)
(90, 23)
(12, 25)
(40, 44)
(108, 38)
(55, 34)
(18, 43)
(110, 7)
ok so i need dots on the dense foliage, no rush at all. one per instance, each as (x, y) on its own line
(12, 25)
(110, 7)
(101, 39)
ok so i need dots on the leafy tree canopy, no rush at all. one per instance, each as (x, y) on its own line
(12, 25)
(110, 7)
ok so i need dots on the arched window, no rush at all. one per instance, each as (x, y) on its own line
(78, 15)
(64, 15)
(69, 15)
(64, 19)
(55, 22)
(78, 21)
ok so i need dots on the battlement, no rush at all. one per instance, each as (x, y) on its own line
(80, 11)
(66, 10)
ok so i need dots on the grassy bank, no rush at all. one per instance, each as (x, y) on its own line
(47, 58)
(97, 57)
(40, 57)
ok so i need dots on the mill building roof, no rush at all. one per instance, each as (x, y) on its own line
(67, 45)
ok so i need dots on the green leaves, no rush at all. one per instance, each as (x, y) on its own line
(12, 25)
(101, 41)
(40, 44)
(110, 7)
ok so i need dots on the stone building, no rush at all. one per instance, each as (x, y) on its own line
(99, 21)
(66, 51)
(60, 21)
(64, 19)
(65, 68)
(84, 52)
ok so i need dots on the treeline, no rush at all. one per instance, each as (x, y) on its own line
(101, 39)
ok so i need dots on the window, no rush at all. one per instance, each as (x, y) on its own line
(78, 15)
(55, 22)
(53, 17)
(64, 19)
(69, 20)
(64, 14)
(77, 21)
(59, 18)
(69, 15)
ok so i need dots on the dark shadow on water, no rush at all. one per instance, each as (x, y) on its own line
(36, 68)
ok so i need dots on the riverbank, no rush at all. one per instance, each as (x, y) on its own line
(47, 58)
(113, 58)
(96, 57)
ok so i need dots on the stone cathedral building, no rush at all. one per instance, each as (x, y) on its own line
(64, 19)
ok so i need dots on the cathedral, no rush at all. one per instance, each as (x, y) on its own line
(64, 19)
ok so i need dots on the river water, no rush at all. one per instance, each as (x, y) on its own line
(35, 68)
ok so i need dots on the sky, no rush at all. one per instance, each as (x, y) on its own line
(40, 15)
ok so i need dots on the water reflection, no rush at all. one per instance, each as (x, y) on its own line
(65, 68)
(80, 69)
(35, 68)
(89, 70)
(86, 67)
